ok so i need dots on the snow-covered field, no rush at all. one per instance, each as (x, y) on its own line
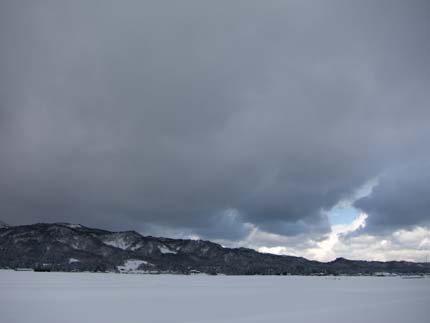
(29, 297)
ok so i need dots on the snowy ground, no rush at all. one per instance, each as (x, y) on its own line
(114, 298)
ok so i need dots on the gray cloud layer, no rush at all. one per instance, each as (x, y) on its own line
(153, 113)
(401, 200)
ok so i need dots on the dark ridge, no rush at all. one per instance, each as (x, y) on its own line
(69, 247)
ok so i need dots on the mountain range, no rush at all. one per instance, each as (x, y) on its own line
(73, 247)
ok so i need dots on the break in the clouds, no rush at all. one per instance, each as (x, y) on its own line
(214, 119)
(401, 200)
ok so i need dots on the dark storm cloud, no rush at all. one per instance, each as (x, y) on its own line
(122, 114)
(401, 200)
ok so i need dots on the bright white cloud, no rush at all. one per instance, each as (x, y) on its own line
(345, 240)
(363, 191)
(326, 249)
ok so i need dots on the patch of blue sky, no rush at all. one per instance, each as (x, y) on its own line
(343, 214)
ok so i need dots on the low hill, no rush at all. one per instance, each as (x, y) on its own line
(72, 247)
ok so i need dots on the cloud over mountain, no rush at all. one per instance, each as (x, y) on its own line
(213, 118)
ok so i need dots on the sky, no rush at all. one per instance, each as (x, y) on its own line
(291, 127)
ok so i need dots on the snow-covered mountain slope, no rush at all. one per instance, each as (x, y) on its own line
(73, 247)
